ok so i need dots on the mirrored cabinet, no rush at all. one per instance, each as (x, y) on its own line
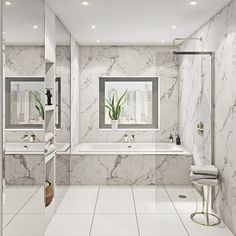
(37, 106)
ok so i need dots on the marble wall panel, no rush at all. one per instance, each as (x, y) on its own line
(219, 36)
(127, 61)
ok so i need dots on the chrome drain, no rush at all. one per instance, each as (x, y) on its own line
(182, 196)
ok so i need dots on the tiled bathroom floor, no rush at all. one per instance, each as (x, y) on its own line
(129, 211)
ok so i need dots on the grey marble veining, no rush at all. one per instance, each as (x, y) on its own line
(29, 61)
(23, 170)
(130, 169)
(75, 93)
(127, 61)
(219, 35)
(63, 71)
(63, 169)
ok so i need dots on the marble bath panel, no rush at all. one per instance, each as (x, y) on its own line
(130, 169)
(63, 169)
(25, 170)
(127, 61)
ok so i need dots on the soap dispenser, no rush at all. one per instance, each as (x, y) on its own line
(178, 142)
(171, 139)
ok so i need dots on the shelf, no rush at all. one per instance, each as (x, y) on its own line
(49, 157)
(49, 107)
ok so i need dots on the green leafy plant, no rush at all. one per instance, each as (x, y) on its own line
(39, 106)
(115, 107)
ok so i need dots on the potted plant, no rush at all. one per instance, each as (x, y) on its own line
(115, 109)
(39, 106)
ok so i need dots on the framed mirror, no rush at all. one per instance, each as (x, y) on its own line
(139, 105)
(22, 96)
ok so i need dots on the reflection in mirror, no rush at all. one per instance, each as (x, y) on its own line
(24, 98)
(63, 136)
(23, 26)
(137, 99)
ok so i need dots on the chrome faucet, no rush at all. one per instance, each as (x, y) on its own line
(132, 138)
(25, 137)
(126, 138)
(28, 138)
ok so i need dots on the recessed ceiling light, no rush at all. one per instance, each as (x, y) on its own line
(8, 3)
(174, 26)
(162, 40)
(193, 3)
(35, 26)
(85, 3)
(98, 41)
(93, 26)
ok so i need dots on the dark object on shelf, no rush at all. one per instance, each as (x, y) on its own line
(49, 193)
(171, 139)
(178, 142)
(49, 97)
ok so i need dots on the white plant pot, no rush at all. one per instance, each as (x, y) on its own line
(114, 124)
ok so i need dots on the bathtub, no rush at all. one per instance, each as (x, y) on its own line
(129, 148)
(32, 148)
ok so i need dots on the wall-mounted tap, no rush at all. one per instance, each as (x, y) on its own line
(126, 138)
(132, 138)
(25, 137)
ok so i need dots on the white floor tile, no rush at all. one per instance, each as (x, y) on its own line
(160, 225)
(7, 218)
(150, 192)
(69, 224)
(13, 205)
(115, 205)
(20, 192)
(35, 205)
(114, 225)
(153, 206)
(26, 225)
(188, 204)
(79, 205)
(82, 192)
(115, 192)
(199, 230)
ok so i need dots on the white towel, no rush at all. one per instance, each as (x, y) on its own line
(205, 170)
(199, 176)
(48, 137)
(51, 148)
(211, 182)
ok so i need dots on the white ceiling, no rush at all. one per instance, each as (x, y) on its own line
(19, 20)
(133, 22)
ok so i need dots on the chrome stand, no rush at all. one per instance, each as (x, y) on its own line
(205, 211)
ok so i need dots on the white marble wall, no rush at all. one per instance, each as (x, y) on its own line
(30, 61)
(127, 61)
(63, 71)
(219, 35)
(75, 93)
(130, 169)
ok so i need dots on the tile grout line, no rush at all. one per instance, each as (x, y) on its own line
(17, 213)
(90, 230)
(177, 212)
(136, 215)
